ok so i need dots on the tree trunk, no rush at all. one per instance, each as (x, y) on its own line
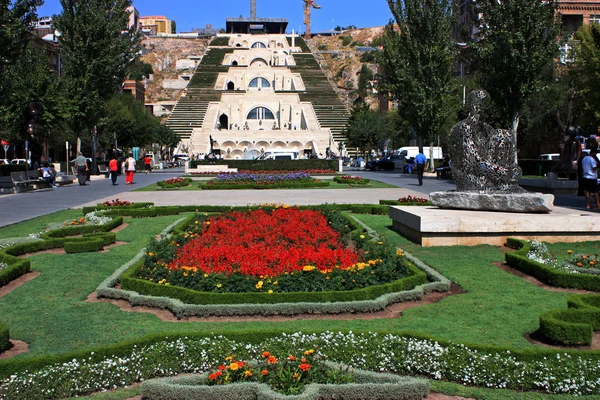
(515, 126)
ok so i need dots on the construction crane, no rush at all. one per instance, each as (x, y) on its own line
(308, 6)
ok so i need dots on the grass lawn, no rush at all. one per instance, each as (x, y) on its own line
(51, 315)
(332, 185)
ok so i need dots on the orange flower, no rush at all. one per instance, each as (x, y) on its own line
(212, 377)
(272, 360)
(264, 372)
(569, 251)
(304, 367)
(218, 373)
(247, 373)
(234, 366)
(303, 360)
(291, 358)
(221, 368)
(265, 354)
(241, 364)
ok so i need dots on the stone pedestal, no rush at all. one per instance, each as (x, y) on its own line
(504, 202)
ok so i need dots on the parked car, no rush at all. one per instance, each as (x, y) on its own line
(18, 161)
(388, 163)
(4, 161)
(551, 156)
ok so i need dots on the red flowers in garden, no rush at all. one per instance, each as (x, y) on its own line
(265, 243)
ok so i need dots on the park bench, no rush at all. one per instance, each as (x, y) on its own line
(443, 172)
(21, 183)
(37, 181)
(103, 169)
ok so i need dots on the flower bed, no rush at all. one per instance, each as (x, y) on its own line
(116, 203)
(268, 251)
(351, 180)
(272, 172)
(407, 201)
(174, 183)
(262, 181)
(543, 370)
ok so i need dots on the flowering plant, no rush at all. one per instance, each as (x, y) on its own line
(263, 179)
(273, 172)
(584, 260)
(412, 199)
(351, 180)
(116, 203)
(175, 182)
(80, 221)
(271, 250)
(287, 375)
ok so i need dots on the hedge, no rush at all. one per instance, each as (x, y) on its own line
(368, 385)
(101, 207)
(188, 296)
(518, 259)
(4, 338)
(278, 185)
(399, 203)
(272, 165)
(16, 267)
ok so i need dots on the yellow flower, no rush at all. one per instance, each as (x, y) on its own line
(219, 285)
(569, 251)
(228, 358)
(234, 366)
(206, 275)
(379, 242)
(196, 222)
(309, 352)
(275, 283)
(248, 373)
(307, 268)
(362, 236)
(270, 291)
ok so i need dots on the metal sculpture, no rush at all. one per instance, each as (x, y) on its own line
(483, 156)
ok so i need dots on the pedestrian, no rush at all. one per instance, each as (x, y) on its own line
(148, 164)
(82, 169)
(420, 161)
(589, 165)
(113, 167)
(49, 174)
(129, 167)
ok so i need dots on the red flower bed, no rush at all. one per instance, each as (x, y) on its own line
(261, 243)
(116, 203)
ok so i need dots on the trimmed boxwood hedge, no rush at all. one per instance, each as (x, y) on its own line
(272, 165)
(4, 338)
(16, 267)
(398, 203)
(518, 259)
(189, 296)
(575, 325)
(367, 385)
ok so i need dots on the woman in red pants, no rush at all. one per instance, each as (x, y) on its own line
(129, 167)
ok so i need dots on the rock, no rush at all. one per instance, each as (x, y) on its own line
(507, 202)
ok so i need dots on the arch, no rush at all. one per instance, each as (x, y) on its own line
(234, 63)
(228, 144)
(261, 62)
(245, 43)
(296, 145)
(259, 82)
(224, 121)
(279, 145)
(258, 45)
(230, 85)
(260, 113)
(238, 45)
(262, 144)
(236, 154)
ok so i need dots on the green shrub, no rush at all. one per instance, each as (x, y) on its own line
(278, 185)
(84, 246)
(273, 165)
(4, 338)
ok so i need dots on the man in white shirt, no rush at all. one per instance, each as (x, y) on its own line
(590, 177)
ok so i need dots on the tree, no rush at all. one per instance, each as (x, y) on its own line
(364, 77)
(518, 42)
(365, 129)
(96, 50)
(16, 18)
(128, 119)
(586, 70)
(173, 27)
(417, 60)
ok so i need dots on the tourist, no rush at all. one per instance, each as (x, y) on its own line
(129, 167)
(590, 178)
(113, 167)
(49, 174)
(148, 164)
(420, 161)
(82, 168)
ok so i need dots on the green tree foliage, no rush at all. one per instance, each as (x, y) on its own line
(128, 118)
(417, 60)
(16, 17)
(586, 71)
(366, 129)
(96, 51)
(364, 77)
(518, 42)
(173, 27)
(138, 70)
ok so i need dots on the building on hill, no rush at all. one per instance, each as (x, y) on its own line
(157, 24)
(253, 94)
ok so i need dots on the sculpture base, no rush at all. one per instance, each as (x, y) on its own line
(503, 202)
(432, 226)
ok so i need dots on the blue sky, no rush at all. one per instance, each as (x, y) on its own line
(197, 13)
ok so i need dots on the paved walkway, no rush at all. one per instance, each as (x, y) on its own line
(15, 208)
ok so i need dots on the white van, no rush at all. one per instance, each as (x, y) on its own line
(412, 151)
(550, 156)
(278, 155)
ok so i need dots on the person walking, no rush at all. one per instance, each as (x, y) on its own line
(129, 169)
(113, 167)
(420, 161)
(148, 164)
(82, 169)
(589, 165)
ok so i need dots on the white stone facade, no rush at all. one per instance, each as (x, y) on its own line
(260, 109)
